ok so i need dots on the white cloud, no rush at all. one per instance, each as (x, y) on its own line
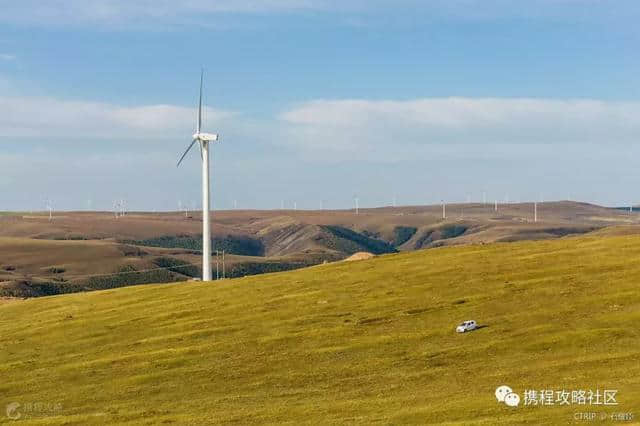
(385, 129)
(44, 117)
(59, 12)
(146, 13)
(399, 128)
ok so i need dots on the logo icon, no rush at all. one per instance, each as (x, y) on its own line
(502, 391)
(505, 394)
(12, 411)
(512, 399)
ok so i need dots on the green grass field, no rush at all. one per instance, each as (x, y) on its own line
(369, 342)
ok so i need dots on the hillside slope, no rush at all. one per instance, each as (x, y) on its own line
(358, 342)
(40, 257)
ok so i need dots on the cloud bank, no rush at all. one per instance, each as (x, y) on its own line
(332, 126)
(397, 127)
(434, 143)
(43, 117)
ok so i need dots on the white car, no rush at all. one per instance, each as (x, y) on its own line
(466, 326)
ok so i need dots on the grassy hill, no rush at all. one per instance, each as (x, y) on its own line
(358, 342)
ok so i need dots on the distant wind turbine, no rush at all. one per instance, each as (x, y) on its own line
(50, 208)
(203, 140)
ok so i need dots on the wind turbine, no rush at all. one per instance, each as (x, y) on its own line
(184, 210)
(50, 208)
(203, 140)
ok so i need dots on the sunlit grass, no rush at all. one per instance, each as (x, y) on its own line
(362, 342)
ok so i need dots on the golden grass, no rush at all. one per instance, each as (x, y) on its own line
(359, 342)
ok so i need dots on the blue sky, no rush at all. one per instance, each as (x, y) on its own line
(319, 101)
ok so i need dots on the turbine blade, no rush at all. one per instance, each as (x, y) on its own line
(200, 145)
(186, 152)
(200, 102)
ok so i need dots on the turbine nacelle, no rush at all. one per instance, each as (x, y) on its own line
(206, 137)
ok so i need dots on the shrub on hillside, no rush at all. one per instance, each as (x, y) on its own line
(233, 244)
(402, 234)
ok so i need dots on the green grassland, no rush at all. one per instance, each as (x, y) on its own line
(368, 342)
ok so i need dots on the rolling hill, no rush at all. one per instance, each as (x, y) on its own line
(364, 342)
(41, 257)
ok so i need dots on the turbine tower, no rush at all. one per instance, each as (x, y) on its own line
(50, 208)
(203, 140)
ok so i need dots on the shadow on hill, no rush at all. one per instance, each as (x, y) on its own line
(349, 242)
(241, 245)
(402, 234)
(444, 232)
